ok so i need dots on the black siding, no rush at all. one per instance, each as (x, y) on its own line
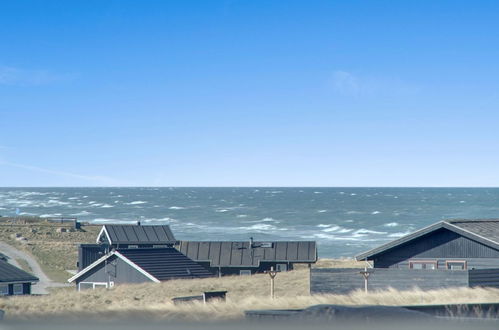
(88, 253)
(484, 278)
(441, 244)
(343, 281)
(115, 270)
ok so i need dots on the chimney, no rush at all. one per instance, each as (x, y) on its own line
(138, 223)
(251, 242)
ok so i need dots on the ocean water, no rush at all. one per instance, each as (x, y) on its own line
(344, 221)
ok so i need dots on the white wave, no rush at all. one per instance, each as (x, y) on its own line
(106, 206)
(176, 208)
(353, 194)
(26, 213)
(260, 227)
(322, 225)
(391, 224)
(222, 210)
(50, 215)
(317, 192)
(241, 216)
(353, 212)
(111, 220)
(367, 231)
(396, 235)
(462, 202)
(82, 213)
(321, 211)
(73, 198)
(337, 229)
(375, 212)
(136, 203)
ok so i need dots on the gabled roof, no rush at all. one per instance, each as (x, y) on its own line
(157, 264)
(10, 273)
(485, 231)
(240, 254)
(136, 234)
(165, 263)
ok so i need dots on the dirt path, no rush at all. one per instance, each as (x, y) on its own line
(44, 283)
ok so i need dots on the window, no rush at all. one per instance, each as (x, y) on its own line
(455, 264)
(133, 246)
(245, 272)
(282, 267)
(18, 288)
(159, 246)
(4, 289)
(92, 285)
(423, 264)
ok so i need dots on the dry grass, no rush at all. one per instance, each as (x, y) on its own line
(153, 301)
(55, 251)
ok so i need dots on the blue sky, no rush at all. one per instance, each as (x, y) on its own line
(249, 93)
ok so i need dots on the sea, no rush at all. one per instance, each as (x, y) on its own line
(343, 221)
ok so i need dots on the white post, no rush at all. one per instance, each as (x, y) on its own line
(272, 273)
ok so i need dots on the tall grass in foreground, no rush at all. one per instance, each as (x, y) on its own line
(153, 301)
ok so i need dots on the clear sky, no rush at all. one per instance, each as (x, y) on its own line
(249, 93)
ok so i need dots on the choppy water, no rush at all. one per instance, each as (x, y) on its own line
(344, 221)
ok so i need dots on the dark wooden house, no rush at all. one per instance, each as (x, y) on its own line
(15, 281)
(122, 236)
(246, 258)
(137, 265)
(451, 244)
(451, 253)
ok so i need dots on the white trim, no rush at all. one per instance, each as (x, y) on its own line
(89, 267)
(119, 255)
(93, 284)
(103, 230)
(472, 233)
(134, 265)
(14, 293)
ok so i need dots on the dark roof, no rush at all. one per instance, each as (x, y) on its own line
(139, 234)
(165, 263)
(487, 228)
(485, 231)
(224, 254)
(10, 273)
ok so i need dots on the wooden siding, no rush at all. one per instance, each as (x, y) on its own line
(115, 270)
(442, 245)
(484, 277)
(345, 280)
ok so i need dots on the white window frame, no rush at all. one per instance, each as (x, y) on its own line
(94, 284)
(17, 292)
(4, 292)
(281, 267)
(245, 272)
(448, 264)
(423, 264)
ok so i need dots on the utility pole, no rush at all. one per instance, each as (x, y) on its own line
(272, 273)
(365, 274)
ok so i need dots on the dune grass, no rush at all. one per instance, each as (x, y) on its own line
(55, 251)
(153, 301)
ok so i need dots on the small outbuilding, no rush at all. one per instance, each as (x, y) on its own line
(137, 266)
(15, 281)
